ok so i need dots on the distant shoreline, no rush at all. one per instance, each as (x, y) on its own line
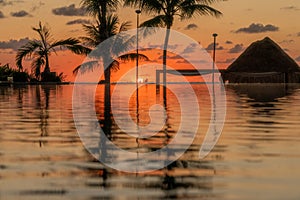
(133, 83)
(6, 83)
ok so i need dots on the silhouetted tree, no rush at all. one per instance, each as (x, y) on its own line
(39, 51)
(166, 10)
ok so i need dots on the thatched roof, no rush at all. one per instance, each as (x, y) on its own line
(264, 56)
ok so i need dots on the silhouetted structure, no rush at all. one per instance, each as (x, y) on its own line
(263, 62)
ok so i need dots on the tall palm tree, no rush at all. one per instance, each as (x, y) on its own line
(115, 49)
(118, 45)
(166, 11)
(40, 50)
(106, 26)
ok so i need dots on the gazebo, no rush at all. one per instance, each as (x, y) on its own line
(263, 61)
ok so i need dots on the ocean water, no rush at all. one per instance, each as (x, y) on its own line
(256, 157)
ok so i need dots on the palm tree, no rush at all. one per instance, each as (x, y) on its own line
(105, 27)
(115, 49)
(40, 50)
(117, 46)
(166, 11)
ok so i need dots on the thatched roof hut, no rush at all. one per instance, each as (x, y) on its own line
(263, 61)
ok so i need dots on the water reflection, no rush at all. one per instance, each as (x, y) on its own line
(42, 105)
(264, 100)
(262, 107)
(263, 92)
(258, 152)
(174, 180)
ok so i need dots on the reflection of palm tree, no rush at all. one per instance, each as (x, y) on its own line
(44, 114)
(40, 50)
(107, 25)
(166, 11)
(95, 37)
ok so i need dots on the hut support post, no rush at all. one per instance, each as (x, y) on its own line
(214, 57)
(158, 79)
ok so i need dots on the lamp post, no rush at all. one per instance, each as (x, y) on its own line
(214, 56)
(138, 12)
(213, 86)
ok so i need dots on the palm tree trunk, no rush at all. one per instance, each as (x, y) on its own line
(107, 100)
(102, 12)
(102, 20)
(47, 67)
(165, 63)
(46, 72)
(107, 93)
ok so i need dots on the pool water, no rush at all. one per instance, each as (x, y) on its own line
(256, 157)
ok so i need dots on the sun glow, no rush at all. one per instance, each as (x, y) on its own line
(140, 80)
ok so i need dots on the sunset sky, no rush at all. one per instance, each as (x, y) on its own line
(243, 22)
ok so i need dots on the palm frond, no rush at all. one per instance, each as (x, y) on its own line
(112, 24)
(147, 6)
(26, 51)
(208, 2)
(133, 56)
(125, 26)
(200, 9)
(65, 42)
(121, 42)
(157, 21)
(170, 8)
(132, 3)
(93, 7)
(92, 31)
(85, 67)
(72, 44)
(89, 41)
(44, 33)
(115, 65)
(78, 49)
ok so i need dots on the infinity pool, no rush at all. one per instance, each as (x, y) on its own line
(256, 157)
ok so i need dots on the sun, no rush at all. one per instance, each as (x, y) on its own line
(140, 80)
